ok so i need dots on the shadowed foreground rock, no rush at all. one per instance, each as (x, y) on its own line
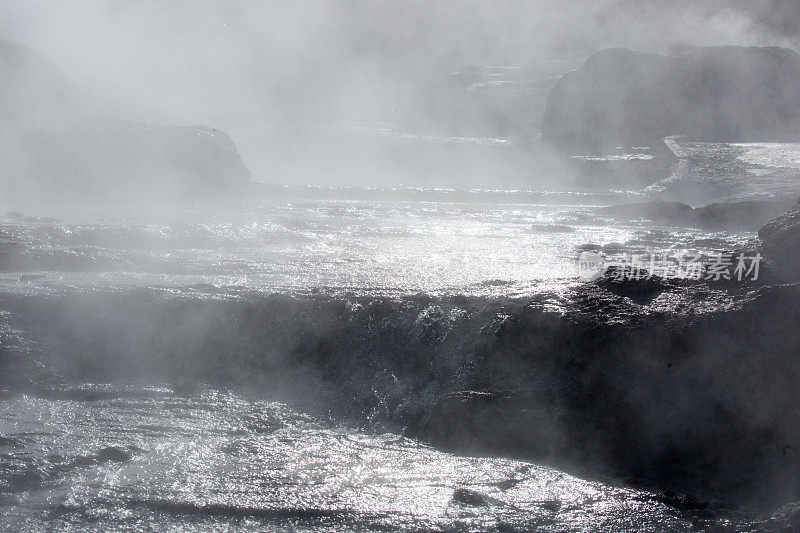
(688, 386)
(679, 385)
(781, 242)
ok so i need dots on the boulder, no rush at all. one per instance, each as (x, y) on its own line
(747, 215)
(53, 147)
(728, 93)
(780, 239)
(121, 161)
(660, 211)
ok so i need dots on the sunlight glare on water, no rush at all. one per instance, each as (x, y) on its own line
(120, 458)
(376, 246)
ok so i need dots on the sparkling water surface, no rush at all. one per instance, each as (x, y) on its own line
(131, 457)
(470, 248)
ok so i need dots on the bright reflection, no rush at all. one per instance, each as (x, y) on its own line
(125, 457)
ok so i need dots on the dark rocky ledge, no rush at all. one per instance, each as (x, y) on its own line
(781, 241)
(678, 385)
(747, 215)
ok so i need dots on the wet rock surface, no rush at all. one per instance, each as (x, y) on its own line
(666, 383)
(687, 386)
(781, 243)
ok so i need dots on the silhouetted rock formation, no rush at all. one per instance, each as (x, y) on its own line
(52, 147)
(745, 215)
(678, 384)
(721, 93)
(780, 240)
(118, 160)
(657, 210)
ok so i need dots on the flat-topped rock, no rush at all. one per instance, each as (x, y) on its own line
(53, 148)
(729, 93)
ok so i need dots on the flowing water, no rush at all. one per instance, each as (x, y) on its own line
(101, 303)
(125, 458)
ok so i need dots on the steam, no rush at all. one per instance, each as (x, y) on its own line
(343, 92)
(275, 74)
(260, 69)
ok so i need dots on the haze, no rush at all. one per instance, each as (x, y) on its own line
(272, 73)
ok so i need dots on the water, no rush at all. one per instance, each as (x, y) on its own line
(720, 172)
(130, 298)
(131, 458)
(376, 245)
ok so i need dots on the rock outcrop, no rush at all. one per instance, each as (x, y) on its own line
(120, 161)
(676, 384)
(730, 93)
(657, 210)
(748, 215)
(54, 148)
(32, 88)
(780, 240)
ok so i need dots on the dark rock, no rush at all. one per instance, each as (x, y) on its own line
(551, 505)
(730, 93)
(552, 228)
(9, 441)
(780, 240)
(113, 454)
(747, 215)
(469, 497)
(631, 282)
(30, 479)
(660, 211)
